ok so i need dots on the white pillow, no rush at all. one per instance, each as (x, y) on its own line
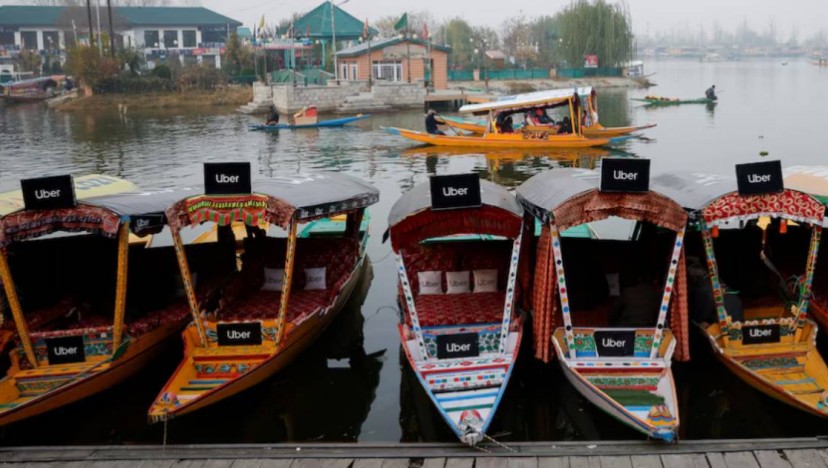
(273, 279)
(485, 281)
(430, 282)
(314, 278)
(458, 282)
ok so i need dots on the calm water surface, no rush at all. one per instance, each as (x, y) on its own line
(354, 384)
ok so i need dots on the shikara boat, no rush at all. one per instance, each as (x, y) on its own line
(763, 334)
(495, 136)
(591, 127)
(77, 331)
(618, 358)
(31, 90)
(461, 343)
(320, 124)
(258, 318)
(656, 101)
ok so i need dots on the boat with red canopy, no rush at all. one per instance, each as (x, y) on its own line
(268, 305)
(457, 240)
(614, 311)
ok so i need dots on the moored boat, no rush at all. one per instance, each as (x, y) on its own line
(258, 318)
(460, 340)
(616, 354)
(31, 90)
(657, 101)
(77, 331)
(757, 322)
(499, 132)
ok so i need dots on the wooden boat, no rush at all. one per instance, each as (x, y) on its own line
(589, 116)
(31, 90)
(773, 346)
(289, 289)
(321, 124)
(493, 137)
(463, 344)
(67, 348)
(656, 101)
(622, 367)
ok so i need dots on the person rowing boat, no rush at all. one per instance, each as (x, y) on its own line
(711, 93)
(272, 116)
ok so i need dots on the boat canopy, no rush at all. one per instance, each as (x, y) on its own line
(278, 200)
(808, 179)
(570, 197)
(144, 211)
(524, 101)
(412, 219)
(716, 199)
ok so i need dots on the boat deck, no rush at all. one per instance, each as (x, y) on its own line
(758, 453)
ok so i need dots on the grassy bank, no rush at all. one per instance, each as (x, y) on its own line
(226, 97)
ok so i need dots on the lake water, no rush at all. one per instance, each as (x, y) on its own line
(354, 385)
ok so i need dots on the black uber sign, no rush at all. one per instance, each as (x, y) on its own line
(147, 223)
(615, 343)
(239, 334)
(457, 346)
(455, 191)
(48, 193)
(65, 350)
(755, 334)
(227, 178)
(759, 178)
(625, 175)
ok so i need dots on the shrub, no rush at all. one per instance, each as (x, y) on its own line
(161, 71)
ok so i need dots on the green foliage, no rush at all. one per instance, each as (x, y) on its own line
(545, 32)
(459, 36)
(595, 27)
(131, 58)
(236, 55)
(92, 69)
(161, 71)
(200, 77)
(28, 61)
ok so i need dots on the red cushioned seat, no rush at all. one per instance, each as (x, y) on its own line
(454, 309)
(265, 304)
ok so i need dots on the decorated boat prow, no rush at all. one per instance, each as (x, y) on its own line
(74, 336)
(615, 351)
(757, 320)
(458, 241)
(250, 322)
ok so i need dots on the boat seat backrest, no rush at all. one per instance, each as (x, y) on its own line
(428, 257)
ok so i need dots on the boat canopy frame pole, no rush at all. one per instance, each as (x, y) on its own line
(557, 266)
(510, 291)
(287, 281)
(412, 310)
(14, 304)
(669, 287)
(121, 287)
(186, 278)
(804, 298)
(713, 273)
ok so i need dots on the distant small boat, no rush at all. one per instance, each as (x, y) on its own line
(321, 123)
(32, 90)
(784, 63)
(655, 101)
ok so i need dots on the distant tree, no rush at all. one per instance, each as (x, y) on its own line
(545, 32)
(517, 41)
(131, 58)
(385, 26)
(236, 55)
(595, 27)
(459, 36)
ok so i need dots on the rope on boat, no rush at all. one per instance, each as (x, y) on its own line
(499, 444)
(164, 440)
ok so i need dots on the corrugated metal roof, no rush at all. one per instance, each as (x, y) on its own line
(381, 43)
(54, 16)
(317, 23)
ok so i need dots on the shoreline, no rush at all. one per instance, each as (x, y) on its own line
(522, 86)
(192, 99)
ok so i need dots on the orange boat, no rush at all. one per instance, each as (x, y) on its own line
(498, 132)
(261, 316)
(70, 344)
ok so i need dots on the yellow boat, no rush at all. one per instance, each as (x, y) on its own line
(594, 131)
(67, 348)
(497, 135)
(260, 317)
(772, 346)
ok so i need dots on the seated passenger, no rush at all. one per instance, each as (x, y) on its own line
(542, 118)
(505, 125)
(566, 126)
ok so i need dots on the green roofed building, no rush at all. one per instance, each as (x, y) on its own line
(194, 34)
(319, 24)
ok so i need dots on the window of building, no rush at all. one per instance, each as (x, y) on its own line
(151, 39)
(216, 36)
(390, 70)
(170, 39)
(28, 40)
(354, 72)
(189, 38)
(51, 40)
(6, 38)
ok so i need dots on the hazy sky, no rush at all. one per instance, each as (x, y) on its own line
(808, 15)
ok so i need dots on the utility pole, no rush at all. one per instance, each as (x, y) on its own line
(111, 30)
(89, 17)
(333, 43)
(98, 13)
